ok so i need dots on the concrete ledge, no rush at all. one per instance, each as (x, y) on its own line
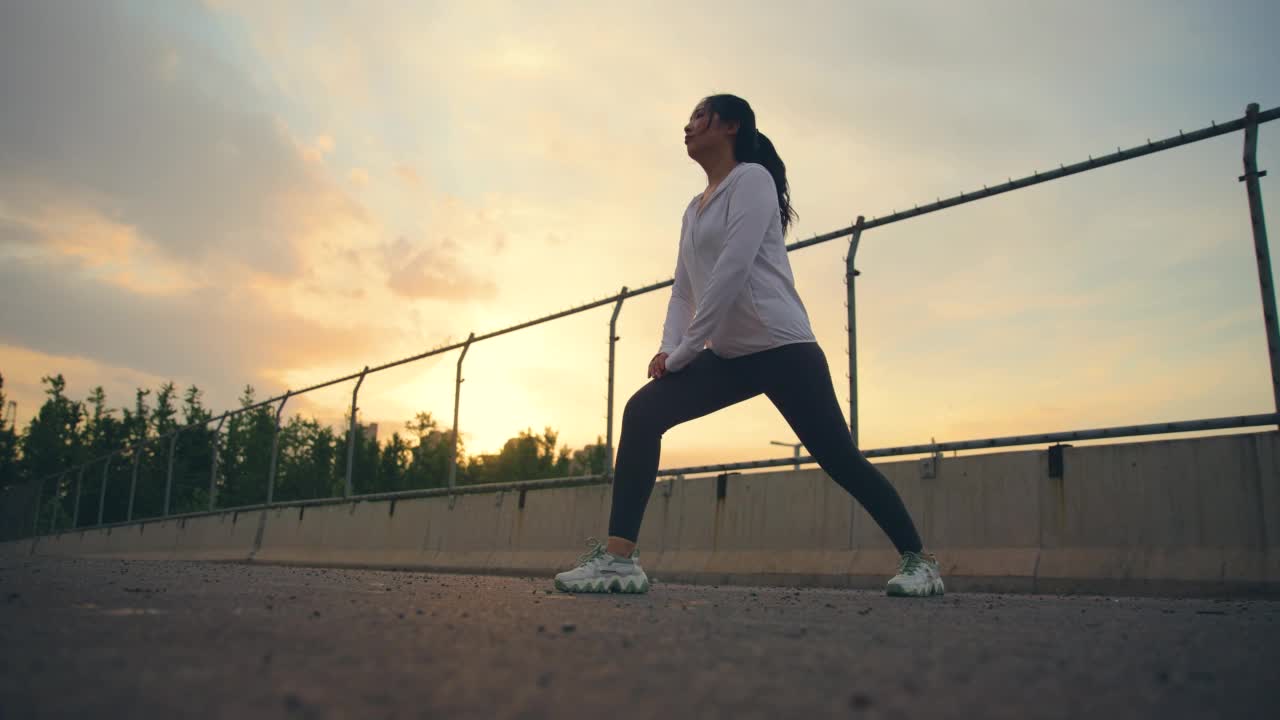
(1170, 517)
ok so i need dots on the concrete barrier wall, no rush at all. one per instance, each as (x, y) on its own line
(1166, 517)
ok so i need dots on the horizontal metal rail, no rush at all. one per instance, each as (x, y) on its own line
(1036, 178)
(1243, 421)
(477, 489)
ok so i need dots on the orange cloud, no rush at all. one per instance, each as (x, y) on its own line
(409, 175)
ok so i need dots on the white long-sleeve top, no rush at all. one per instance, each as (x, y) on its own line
(734, 291)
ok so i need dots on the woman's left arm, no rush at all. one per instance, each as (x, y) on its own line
(752, 206)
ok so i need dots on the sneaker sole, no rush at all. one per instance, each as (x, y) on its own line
(934, 588)
(604, 586)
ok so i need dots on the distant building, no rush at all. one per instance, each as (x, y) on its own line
(370, 431)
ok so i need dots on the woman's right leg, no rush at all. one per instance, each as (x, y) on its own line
(798, 382)
(707, 384)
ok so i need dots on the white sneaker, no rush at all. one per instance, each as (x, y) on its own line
(599, 571)
(918, 576)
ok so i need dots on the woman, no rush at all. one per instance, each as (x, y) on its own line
(736, 328)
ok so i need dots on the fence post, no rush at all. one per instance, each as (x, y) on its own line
(168, 477)
(133, 484)
(613, 339)
(275, 448)
(795, 447)
(35, 521)
(457, 397)
(53, 515)
(1261, 250)
(850, 303)
(351, 434)
(102, 492)
(213, 464)
(75, 513)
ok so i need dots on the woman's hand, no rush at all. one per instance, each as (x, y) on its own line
(658, 366)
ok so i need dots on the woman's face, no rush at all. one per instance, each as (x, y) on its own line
(705, 131)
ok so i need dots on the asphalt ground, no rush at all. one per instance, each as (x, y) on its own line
(166, 639)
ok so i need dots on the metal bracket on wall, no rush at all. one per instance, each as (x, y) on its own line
(498, 502)
(930, 466)
(1055, 460)
(452, 500)
(722, 484)
(670, 485)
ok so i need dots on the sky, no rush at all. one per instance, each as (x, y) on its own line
(231, 193)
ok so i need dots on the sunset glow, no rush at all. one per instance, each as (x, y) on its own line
(230, 193)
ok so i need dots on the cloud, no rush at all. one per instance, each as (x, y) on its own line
(433, 273)
(106, 250)
(409, 175)
(213, 336)
(156, 216)
(189, 169)
(23, 369)
(104, 114)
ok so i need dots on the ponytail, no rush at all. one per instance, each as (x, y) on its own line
(751, 145)
(764, 153)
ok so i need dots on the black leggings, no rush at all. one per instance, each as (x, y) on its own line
(796, 378)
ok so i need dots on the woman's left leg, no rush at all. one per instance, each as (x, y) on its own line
(705, 386)
(798, 382)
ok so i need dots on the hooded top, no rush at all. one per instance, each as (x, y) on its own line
(733, 292)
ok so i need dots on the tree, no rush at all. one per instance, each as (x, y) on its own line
(393, 465)
(104, 434)
(311, 460)
(308, 461)
(52, 443)
(364, 465)
(8, 446)
(135, 421)
(164, 416)
(526, 457)
(155, 427)
(133, 429)
(17, 497)
(590, 460)
(246, 455)
(192, 453)
(430, 464)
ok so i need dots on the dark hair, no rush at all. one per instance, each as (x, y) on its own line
(751, 145)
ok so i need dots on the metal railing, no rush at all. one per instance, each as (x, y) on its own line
(1249, 123)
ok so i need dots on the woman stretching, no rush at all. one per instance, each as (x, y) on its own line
(736, 328)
